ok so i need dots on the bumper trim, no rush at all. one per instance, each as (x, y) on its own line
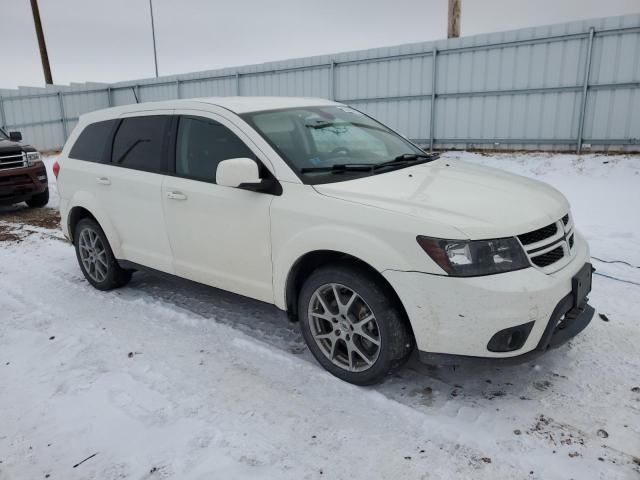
(557, 332)
(20, 184)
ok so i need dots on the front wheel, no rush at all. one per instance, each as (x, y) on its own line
(352, 325)
(39, 200)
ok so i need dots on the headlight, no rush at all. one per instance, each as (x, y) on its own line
(33, 158)
(472, 258)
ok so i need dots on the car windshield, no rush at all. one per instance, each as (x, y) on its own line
(3, 135)
(332, 143)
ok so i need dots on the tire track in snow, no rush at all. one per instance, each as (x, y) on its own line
(192, 306)
(263, 379)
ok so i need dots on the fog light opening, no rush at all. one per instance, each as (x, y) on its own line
(510, 339)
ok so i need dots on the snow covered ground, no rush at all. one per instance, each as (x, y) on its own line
(176, 380)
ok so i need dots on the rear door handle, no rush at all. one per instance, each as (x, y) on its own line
(103, 180)
(176, 196)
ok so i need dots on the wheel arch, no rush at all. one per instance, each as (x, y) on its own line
(84, 206)
(75, 215)
(313, 260)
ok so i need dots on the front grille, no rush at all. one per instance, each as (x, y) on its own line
(11, 161)
(539, 235)
(548, 258)
(548, 245)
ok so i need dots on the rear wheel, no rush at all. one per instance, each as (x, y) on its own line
(39, 200)
(95, 257)
(352, 325)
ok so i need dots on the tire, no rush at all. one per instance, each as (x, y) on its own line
(39, 200)
(345, 330)
(95, 257)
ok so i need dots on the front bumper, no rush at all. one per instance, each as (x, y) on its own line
(20, 184)
(559, 330)
(455, 318)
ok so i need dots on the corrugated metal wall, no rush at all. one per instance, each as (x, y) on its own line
(560, 87)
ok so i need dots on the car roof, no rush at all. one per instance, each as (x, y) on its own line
(256, 104)
(235, 104)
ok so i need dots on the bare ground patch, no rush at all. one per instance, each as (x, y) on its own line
(18, 222)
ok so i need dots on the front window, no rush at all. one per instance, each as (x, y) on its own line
(202, 144)
(316, 141)
(3, 135)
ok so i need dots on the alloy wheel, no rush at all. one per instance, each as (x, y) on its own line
(344, 327)
(93, 255)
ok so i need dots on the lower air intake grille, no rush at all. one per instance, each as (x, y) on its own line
(548, 258)
(14, 179)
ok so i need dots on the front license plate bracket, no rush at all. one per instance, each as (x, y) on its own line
(581, 285)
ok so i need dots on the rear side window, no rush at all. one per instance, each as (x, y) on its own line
(139, 141)
(202, 144)
(92, 141)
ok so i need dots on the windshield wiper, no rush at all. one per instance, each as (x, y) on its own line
(400, 161)
(411, 158)
(341, 167)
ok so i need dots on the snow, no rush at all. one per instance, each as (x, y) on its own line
(169, 379)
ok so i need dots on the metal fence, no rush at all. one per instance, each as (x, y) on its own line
(572, 86)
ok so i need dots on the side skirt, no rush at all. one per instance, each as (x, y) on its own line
(127, 265)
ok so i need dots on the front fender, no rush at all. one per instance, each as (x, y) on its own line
(370, 249)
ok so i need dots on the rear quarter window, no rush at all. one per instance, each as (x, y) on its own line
(92, 141)
(139, 143)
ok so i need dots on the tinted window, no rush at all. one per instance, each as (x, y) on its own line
(138, 143)
(91, 143)
(202, 144)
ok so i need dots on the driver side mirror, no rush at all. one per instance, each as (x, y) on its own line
(238, 173)
(15, 136)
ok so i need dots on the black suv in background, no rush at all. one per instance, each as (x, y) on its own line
(23, 177)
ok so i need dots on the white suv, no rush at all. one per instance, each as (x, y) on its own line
(372, 245)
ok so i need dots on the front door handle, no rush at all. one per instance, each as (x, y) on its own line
(176, 196)
(103, 180)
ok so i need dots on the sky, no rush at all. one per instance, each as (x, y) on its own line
(108, 41)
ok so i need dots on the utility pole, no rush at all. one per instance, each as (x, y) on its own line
(46, 68)
(153, 35)
(453, 25)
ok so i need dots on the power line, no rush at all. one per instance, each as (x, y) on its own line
(616, 261)
(616, 279)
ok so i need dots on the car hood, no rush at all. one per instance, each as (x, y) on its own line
(479, 202)
(8, 147)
